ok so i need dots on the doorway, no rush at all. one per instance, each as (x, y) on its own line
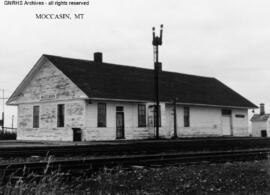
(227, 122)
(263, 133)
(120, 124)
(77, 134)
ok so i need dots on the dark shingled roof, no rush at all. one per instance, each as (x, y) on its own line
(260, 117)
(104, 80)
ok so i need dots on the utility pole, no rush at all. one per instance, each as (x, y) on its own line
(12, 122)
(157, 41)
(3, 112)
(174, 119)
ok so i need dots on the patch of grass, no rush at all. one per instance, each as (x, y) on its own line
(205, 178)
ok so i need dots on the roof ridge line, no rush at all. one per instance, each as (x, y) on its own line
(128, 66)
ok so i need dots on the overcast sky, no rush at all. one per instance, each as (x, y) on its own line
(228, 40)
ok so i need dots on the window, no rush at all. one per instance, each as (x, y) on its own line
(101, 115)
(141, 115)
(186, 117)
(119, 109)
(159, 117)
(36, 117)
(240, 116)
(226, 112)
(60, 115)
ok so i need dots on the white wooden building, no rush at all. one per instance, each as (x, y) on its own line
(260, 123)
(71, 99)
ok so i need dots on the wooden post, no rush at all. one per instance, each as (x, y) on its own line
(174, 119)
(3, 113)
(157, 41)
(12, 122)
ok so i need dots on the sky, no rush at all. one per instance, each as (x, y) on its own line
(228, 39)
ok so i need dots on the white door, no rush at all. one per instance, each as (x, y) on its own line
(226, 125)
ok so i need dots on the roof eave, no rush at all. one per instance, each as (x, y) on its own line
(179, 103)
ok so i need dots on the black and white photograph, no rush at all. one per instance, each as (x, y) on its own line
(122, 97)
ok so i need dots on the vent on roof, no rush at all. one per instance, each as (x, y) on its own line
(262, 111)
(98, 57)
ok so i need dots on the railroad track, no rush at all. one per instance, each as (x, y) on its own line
(137, 147)
(163, 159)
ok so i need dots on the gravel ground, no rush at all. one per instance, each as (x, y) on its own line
(204, 178)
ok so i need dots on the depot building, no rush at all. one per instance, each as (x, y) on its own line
(69, 99)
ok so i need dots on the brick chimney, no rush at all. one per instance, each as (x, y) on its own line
(98, 57)
(262, 111)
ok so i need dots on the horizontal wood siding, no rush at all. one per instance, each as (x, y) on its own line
(49, 81)
(132, 131)
(205, 121)
(258, 126)
(79, 113)
(48, 130)
(240, 125)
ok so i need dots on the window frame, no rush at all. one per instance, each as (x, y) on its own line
(119, 108)
(62, 124)
(36, 119)
(240, 116)
(101, 115)
(226, 112)
(141, 115)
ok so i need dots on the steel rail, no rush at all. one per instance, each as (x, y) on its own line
(136, 147)
(144, 160)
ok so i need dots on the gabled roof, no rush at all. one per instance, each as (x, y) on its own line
(260, 117)
(104, 80)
